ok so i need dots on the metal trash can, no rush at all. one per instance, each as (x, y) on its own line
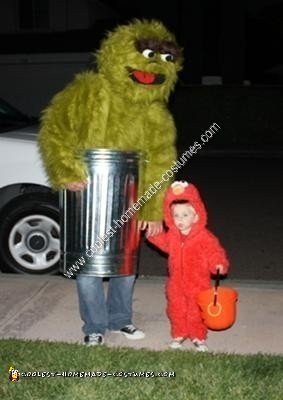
(99, 235)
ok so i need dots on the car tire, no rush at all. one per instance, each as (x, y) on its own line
(29, 234)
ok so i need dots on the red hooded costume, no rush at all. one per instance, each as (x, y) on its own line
(192, 259)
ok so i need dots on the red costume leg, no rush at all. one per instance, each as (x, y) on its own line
(176, 311)
(195, 326)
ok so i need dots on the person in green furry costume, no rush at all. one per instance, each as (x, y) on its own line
(121, 106)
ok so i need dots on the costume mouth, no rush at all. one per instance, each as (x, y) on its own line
(145, 78)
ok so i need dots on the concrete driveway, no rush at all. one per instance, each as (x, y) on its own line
(46, 308)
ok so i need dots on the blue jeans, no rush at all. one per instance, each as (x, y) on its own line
(99, 313)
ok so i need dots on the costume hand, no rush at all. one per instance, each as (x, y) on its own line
(76, 186)
(220, 267)
(152, 227)
(142, 225)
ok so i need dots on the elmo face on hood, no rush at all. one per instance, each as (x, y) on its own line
(182, 190)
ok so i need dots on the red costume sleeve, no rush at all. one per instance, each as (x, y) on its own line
(160, 241)
(215, 253)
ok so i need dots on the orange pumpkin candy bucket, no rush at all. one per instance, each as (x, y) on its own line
(218, 306)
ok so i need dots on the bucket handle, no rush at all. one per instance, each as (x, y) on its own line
(216, 285)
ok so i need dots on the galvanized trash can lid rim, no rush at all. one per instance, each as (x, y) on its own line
(104, 153)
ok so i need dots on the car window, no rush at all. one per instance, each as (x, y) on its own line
(11, 118)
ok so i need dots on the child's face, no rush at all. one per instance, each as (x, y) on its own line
(184, 216)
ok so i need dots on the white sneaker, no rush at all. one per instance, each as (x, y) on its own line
(94, 339)
(176, 343)
(131, 332)
(200, 345)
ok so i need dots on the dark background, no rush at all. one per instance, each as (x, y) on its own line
(233, 71)
(233, 75)
(237, 40)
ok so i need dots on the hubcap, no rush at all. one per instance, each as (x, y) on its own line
(34, 242)
(37, 241)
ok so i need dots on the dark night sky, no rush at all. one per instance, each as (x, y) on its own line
(239, 40)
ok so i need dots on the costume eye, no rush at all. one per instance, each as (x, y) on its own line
(148, 53)
(167, 57)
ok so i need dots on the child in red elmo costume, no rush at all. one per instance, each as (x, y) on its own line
(194, 254)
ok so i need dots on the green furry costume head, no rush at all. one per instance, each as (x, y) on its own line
(140, 60)
(120, 106)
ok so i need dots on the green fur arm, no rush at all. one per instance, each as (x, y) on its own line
(161, 153)
(68, 127)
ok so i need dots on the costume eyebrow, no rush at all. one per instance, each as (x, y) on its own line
(143, 44)
(159, 46)
(169, 47)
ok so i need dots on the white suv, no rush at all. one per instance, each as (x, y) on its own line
(29, 211)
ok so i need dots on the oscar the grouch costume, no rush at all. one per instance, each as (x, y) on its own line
(122, 106)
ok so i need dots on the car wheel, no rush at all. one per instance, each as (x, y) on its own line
(29, 235)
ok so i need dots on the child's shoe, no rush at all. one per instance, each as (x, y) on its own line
(176, 343)
(200, 345)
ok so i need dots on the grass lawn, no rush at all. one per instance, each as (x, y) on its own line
(192, 376)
